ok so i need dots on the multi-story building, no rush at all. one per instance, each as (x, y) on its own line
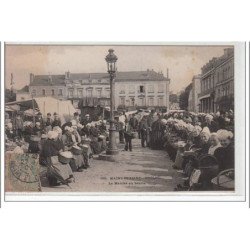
(135, 89)
(224, 81)
(217, 83)
(193, 102)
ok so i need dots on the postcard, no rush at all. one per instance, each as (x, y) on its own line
(160, 122)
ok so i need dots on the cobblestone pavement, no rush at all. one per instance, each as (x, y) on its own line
(142, 170)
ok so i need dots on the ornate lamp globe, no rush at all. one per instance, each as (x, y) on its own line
(111, 59)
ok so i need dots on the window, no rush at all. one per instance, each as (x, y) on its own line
(52, 92)
(132, 101)
(122, 90)
(33, 93)
(151, 88)
(160, 101)
(79, 92)
(107, 93)
(151, 101)
(99, 93)
(89, 92)
(141, 101)
(71, 93)
(160, 88)
(131, 89)
(122, 100)
(44, 92)
(141, 89)
(60, 92)
(218, 92)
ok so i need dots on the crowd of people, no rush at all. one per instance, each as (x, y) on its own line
(62, 148)
(200, 145)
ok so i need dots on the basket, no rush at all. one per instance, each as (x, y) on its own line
(85, 148)
(76, 150)
(86, 141)
(35, 138)
(65, 157)
(101, 137)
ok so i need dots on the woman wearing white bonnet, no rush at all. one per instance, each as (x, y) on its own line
(210, 123)
(225, 154)
(52, 135)
(56, 172)
(215, 143)
(205, 136)
(58, 130)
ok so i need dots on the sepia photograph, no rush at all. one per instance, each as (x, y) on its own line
(120, 119)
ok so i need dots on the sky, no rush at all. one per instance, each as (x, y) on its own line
(183, 62)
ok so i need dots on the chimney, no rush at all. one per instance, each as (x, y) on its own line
(67, 74)
(31, 78)
(167, 73)
(50, 79)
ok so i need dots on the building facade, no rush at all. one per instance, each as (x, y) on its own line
(224, 82)
(217, 83)
(135, 89)
(193, 101)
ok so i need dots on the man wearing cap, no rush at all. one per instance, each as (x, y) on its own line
(57, 121)
(48, 122)
(86, 120)
(133, 122)
(143, 129)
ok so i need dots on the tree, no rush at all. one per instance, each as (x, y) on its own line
(173, 98)
(9, 96)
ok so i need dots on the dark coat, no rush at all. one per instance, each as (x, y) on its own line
(225, 157)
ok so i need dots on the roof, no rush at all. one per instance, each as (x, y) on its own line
(25, 89)
(48, 80)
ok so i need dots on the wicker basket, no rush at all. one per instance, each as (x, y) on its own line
(76, 150)
(85, 148)
(63, 158)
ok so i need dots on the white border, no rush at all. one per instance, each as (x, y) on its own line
(238, 195)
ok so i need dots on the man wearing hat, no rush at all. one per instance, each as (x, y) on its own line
(57, 121)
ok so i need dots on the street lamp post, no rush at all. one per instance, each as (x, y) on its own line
(111, 59)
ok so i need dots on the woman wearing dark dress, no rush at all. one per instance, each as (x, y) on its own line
(225, 154)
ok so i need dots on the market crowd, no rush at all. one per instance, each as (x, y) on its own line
(62, 148)
(200, 145)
